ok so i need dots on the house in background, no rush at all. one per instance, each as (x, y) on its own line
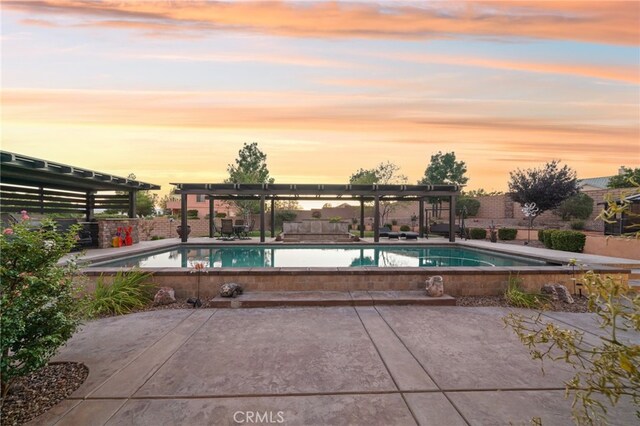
(201, 204)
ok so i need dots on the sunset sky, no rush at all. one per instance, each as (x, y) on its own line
(170, 90)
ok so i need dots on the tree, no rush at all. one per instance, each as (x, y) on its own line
(250, 167)
(628, 179)
(444, 169)
(467, 204)
(474, 193)
(145, 201)
(288, 205)
(579, 206)
(546, 186)
(384, 174)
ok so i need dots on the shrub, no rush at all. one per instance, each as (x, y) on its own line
(335, 219)
(517, 297)
(192, 214)
(394, 222)
(579, 206)
(284, 216)
(577, 224)
(472, 206)
(38, 300)
(478, 233)
(568, 241)
(548, 233)
(405, 228)
(221, 215)
(541, 235)
(387, 225)
(127, 292)
(316, 214)
(507, 234)
(157, 237)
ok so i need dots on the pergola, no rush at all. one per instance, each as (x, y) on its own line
(273, 192)
(43, 186)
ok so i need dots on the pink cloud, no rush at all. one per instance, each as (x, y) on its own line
(600, 22)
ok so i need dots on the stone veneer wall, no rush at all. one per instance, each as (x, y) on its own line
(107, 229)
(457, 281)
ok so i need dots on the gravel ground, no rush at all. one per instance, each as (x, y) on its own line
(34, 394)
(580, 304)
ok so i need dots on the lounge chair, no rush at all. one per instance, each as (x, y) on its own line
(384, 231)
(226, 230)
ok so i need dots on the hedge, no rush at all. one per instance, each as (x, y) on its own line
(568, 241)
(541, 235)
(405, 228)
(507, 233)
(478, 233)
(547, 237)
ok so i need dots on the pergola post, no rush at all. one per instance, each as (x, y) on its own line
(262, 236)
(421, 217)
(42, 200)
(132, 204)
(452, 218)
(212, 226)
(273, 217)
(376, 219)
(184, 225)
(361, 217)
(90, 202)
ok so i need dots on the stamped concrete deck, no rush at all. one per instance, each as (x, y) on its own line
(362, 365)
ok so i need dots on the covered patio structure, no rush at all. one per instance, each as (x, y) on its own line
(274, 192)
(43, 186)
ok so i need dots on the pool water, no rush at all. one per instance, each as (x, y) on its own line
(265, 256)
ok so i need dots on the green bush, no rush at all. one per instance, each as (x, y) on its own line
(568, 241)
(221, 215)
(394, 222)
(127, 292)
(541, 235)
(284, 216)
(579, 206)
(405, 228)
(335, 219)
(38, 300)
(478, 233)
(507, 234)
(156, 238)
(192, 214)
(577, 225)
(548, 243)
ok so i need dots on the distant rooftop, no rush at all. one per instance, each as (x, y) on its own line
(596, 182)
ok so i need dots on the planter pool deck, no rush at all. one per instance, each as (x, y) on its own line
(459, 281)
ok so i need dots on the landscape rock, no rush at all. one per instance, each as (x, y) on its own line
(435, 286)
(165, 296)
(230, 290)
(558, 292)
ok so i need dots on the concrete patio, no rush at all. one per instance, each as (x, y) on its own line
(368, 365)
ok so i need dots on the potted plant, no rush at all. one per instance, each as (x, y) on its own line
(179, 230)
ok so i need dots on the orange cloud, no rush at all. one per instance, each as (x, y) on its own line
(293, 111)
(601, 22)
(624, 74)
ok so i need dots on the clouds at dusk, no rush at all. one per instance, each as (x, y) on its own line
(349, 84)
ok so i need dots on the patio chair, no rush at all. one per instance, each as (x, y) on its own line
(241, 229)
(227, 229)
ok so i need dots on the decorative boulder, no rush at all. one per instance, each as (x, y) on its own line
(230, 290)
(435, 286)
(557, 292)
(164, 296)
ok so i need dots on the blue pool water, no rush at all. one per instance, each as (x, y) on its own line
(265, 256)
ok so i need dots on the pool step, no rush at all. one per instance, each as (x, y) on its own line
(267, 299)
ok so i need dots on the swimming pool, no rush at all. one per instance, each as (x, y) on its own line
(313, 256)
